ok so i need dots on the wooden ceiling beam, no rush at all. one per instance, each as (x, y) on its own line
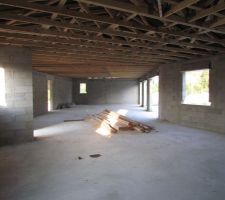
(126, 7)
(206, 12)
(98, 58)
(36, 63)
(219, 22)
(47, 22)
(43, 32)
(108, 4)
(134, 56)
(77, 68)
(39, 32)
(164, 52)
(61, 3)
(159, 4)
(193, 7)
(44, 21)
(84, 58)
(180, 6)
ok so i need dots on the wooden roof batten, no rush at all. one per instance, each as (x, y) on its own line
(114, 33)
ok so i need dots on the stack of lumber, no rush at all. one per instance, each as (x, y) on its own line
(115, 122)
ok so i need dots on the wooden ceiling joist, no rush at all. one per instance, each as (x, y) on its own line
(173, 52)
(121, 6)
(219, 22)
(101, 40)
(125, 7)
(47, 22)
(212, 10)
(129, 34)
(180, 6)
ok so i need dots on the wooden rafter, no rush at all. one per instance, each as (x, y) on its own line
(219, 22)
(95, 30)
(130, 33)
(64, 12)
(159, 3)
(212, 10)
(102, 40)
(125, 7)
(180, 6)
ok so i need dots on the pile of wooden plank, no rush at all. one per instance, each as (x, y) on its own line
(115, 122)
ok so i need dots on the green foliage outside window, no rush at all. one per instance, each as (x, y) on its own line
(197, 82)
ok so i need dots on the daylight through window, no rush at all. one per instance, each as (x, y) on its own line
(196, 87)
(83, 88)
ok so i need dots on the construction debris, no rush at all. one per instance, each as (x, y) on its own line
(73, 120)
(64, 105)
(114, 122)
(95, 155)
(80, 158)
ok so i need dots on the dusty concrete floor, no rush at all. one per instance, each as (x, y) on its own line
(176, 163)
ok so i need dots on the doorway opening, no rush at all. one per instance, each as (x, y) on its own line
(154, 94)
(49, 91)
(140, 93)
(2, 87)
(145, 93)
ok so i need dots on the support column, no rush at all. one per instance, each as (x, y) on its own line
(16, 108)
(148, 95)
(143, 95)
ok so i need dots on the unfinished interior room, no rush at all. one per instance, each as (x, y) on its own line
(112, 99)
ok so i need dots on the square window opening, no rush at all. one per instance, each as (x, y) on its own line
(196, 87)
(83, 88)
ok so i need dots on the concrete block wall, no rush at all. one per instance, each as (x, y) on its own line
(17, 115)
(114, 91)
(205, 117)
(40, 93)
(62, 91)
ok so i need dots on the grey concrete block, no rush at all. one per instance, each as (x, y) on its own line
(207, 117)
(16, 117)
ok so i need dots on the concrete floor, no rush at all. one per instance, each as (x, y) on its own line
(175, 163)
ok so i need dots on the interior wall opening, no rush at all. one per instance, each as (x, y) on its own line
(2, 87)
(83, 88)
(140, 93)
(145, 93)
(154, 94)
(196, 87)
(50, 94)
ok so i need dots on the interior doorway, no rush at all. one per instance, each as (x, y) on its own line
(145, 93)
(140, 93)
(154, 94)
(49, 93)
